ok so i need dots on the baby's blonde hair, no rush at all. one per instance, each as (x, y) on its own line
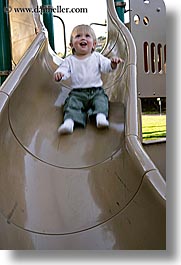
(82, 28)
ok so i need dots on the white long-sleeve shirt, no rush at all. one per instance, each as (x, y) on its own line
(86, 72)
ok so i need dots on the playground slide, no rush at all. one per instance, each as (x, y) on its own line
(94, 189)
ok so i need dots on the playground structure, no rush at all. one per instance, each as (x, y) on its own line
(90, 190)
(147, 25)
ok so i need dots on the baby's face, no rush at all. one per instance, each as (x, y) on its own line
(83, 43)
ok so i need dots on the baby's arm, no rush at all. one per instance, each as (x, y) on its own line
(63, 71)
(115, 61)
(58, 76)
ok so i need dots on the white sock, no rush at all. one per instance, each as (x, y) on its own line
(101, 121)
(67, 127)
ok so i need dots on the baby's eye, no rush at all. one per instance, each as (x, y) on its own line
(88, 36)
(77, 36)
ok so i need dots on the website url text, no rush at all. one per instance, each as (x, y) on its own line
(45, 9)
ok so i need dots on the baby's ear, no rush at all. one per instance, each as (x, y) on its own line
(71, 46)
(94, 44)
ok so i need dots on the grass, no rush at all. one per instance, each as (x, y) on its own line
(153, 127)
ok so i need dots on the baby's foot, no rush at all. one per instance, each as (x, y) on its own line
(101, 121)
(67, 127)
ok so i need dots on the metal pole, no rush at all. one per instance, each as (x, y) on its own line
(120, 8)
(160, 105)
(5, 42)
(47, 10)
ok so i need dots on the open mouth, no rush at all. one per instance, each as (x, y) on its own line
(83, 44)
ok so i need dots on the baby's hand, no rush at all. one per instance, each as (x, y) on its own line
(58, 76)
(115, 61)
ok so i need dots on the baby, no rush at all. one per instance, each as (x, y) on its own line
(84, 67)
